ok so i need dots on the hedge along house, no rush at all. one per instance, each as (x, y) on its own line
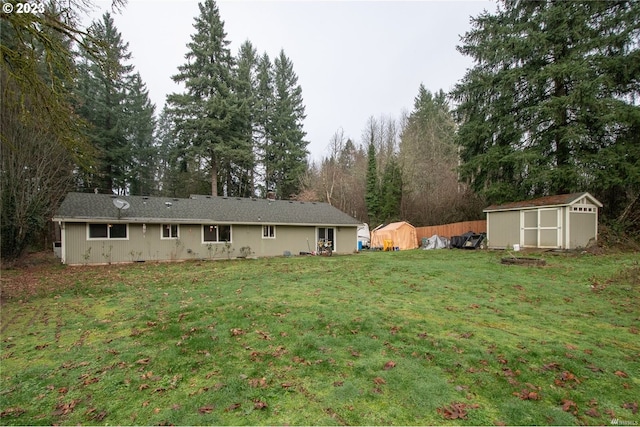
(103, 228)
(565, 221)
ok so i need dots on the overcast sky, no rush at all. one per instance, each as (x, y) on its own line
(354, 59)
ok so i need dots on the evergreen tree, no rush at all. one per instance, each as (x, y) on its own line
(372, 195)
(286, 153)
(178, 170)
(551, 104)
(209, 115)
(246, 75)
(140, 125)
(391, 191)
(264, 111)
(101, 93)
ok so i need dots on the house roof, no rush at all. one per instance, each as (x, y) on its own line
(82, 207)
(558, 200)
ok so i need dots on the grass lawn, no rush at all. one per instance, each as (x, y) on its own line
(411, 338)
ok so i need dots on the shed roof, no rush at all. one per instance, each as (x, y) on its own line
(557, 200)
(82, 207)
(394, 226)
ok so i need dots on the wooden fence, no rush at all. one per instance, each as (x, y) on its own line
(454, 229)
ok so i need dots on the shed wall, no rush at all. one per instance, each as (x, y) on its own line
(583, 229)
(503, 229)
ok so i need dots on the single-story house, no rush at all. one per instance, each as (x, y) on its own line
(401, 234)
(104, 228)
(566, 221)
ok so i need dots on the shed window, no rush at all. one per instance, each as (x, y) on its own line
(585, 209)
(213, 233)
(107, 231)
(268, 231)
(170, 231)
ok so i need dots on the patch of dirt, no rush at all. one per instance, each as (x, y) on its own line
(523, 261)
(34, 274)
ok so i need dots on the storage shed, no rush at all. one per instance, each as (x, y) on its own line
(401, 233)
(566, 221)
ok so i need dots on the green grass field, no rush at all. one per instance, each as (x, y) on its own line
(409, 338)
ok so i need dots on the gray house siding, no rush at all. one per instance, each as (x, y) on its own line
(144, 243)
(102, 228)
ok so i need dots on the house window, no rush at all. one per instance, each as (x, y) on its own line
(107, 231)
(170, 231)
(213, 233)
(268, 231)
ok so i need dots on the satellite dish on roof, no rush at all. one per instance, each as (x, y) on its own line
(121, 204)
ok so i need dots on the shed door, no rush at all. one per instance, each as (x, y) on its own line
(529, 236)
(541, 228)
(549, 228)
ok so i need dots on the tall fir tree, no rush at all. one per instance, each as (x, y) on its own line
(247, 82)
(551, 104)
(101, 93)
(140, 125)
(391, 191)
(210, 117)
(372, 195)
(286, 152)
(264, 112)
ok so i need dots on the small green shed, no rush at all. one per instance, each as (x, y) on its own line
(565, 221)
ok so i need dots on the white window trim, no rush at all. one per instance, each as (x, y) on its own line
(163, 226)
(584, 209)
(204, 242)
(271, 227)
(108, 232)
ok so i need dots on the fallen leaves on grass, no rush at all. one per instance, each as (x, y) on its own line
(65, 408)
(207, 409)
(232, 407)
(264, 335)
(621, 374)
(379, 380)
(569, 406)
(389, 365)
(633, 406)
(259, 404)
(593, 412)
(553, 366)
(237, 332)
(526, 394)
(567, 379)
(12, 412)
(594, 368)
(258, 382)
(456, 410)
(95, 415)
